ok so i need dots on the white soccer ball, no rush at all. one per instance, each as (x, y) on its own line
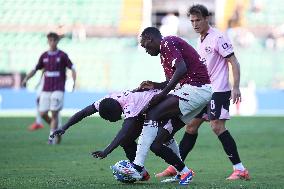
(118, 171)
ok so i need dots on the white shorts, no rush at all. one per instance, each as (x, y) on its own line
(52, 101)
(192, 100)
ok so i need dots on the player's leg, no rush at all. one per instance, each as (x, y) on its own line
(189, 138)
(168, 154)
(186, 145)
(193, 110)
(56, 104)
(46, 117)
(59, 120)
(38, 116)
(219, 113)
(162, 150)
(128, 144)
(44, 106)
(54, 126)
(163, 110)
(38, 121)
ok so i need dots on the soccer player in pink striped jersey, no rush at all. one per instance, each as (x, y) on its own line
(216, 51)
(129, 103)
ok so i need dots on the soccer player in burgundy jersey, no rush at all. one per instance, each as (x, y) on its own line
(53, 63)
(184, 94)
(216, 51)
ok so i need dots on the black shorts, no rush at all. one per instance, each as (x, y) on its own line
(218, 107)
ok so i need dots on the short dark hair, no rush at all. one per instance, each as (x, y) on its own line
(198, 9)
(151, 31)
(53, 35)
(110, 109)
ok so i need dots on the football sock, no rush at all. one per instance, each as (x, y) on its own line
(239, 166)
(168, 156)
(186, 144)
(146, 138)
(38, 118)
(59, 120)
(50, 133)
(172, 144)
(230, 147)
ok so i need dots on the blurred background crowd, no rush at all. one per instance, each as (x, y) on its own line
(101, 39)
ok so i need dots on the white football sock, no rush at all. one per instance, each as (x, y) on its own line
(239, 166)
(59, 121)
(50, 133)
(172, 144)
(38, 117)
(146, 138)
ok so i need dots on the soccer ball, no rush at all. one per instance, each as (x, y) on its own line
(117, 171)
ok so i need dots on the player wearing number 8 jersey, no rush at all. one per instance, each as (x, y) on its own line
(216, 51)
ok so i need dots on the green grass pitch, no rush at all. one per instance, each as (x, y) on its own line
(26, 161)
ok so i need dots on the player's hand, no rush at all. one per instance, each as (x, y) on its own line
(24, 82)
(58, 132)
(144, 86)
(147, 85)
(99, 154)
(236, 95)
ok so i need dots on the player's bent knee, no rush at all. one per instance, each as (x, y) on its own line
(191, 129)
(218, 126)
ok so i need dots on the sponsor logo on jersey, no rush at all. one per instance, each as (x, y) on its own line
(52, 74)
(208, 50)
(45, 60)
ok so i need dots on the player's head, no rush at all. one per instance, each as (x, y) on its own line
(53, 39)
(110, 109)
(150, 40)
(199, 18)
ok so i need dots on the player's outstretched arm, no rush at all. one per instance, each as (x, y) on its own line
(89, 110)
(127, 129)
(29, 75)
